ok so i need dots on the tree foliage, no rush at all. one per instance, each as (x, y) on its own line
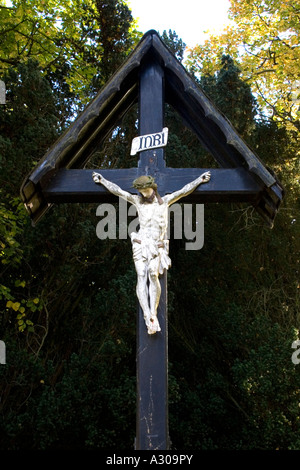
(264, 40)
(69, 39)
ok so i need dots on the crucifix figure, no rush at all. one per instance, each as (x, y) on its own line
(149, 245)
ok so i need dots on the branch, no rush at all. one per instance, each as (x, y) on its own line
(284, 116)
(13, 27)
(10, 61)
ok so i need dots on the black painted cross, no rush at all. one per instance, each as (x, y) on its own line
(152, 75)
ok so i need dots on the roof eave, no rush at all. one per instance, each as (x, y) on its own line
(89, 130)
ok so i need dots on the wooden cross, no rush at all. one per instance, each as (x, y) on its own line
(242, 177)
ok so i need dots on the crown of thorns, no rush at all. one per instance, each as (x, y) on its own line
(144, 182)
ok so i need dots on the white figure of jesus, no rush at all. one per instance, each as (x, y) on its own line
(149, 245)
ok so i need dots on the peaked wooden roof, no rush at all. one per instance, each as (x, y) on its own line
(74, 148)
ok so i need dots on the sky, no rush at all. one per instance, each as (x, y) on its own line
(188, 18)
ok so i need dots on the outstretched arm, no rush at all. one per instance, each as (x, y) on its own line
(187, 189)
(113, 188)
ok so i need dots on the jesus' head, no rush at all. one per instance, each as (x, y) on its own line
(147, 187)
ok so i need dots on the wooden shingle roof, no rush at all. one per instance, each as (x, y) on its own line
(74, 148)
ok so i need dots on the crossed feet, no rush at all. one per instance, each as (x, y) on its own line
(152, 325)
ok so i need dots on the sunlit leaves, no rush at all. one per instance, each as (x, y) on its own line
(22, 309)
(86, 36)
(265, 42)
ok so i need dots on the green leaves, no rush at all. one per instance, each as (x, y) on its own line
(91, 37)
(11, 226)
(264, 40)
(23, 308)
(13, 218)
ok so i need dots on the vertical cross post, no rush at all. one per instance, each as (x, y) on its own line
(152, 430)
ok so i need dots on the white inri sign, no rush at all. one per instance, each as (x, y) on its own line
(149, 141)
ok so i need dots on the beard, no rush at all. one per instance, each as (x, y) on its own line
(149, 199)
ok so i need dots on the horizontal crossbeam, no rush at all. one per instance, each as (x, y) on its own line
(226, 185)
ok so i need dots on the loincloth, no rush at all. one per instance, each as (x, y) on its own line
(149, 249)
